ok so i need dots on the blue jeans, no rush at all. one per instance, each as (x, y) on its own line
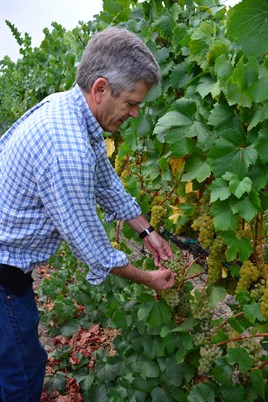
(22, 357)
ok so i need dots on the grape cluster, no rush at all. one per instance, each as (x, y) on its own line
(177, 300)
(203, 312)
(119, 165)
(178, 268)
(264, 302)
(258, 289)
(216, 259)
(249, 273)
(171, 296)
(204, 225)
(208, 354)
(158, 214)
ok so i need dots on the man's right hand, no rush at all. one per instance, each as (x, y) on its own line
(158, 280)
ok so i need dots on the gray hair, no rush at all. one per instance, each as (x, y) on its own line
(120, 57)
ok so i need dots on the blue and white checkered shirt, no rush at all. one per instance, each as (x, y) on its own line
(54, 171)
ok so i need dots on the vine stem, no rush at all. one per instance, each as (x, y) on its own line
(239, 338)
(194, 276)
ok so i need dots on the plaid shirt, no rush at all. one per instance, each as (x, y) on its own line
(54, 171)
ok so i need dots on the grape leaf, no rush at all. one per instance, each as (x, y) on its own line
(247, 26)
(247, 207)
(240, 356)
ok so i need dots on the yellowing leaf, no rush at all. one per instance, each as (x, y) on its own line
(176, 213)
(176, 164)
(224, 272)
(189, 187)
(110, 147)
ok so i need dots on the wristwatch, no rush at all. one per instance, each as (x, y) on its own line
(146, 232)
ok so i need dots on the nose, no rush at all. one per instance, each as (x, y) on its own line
(134, 111)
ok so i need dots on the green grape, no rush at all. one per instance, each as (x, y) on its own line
(216, 259)
(200, 339)
(178, 268)
(171, 296)
(158, 214)
(249, 274)
(258, 289)
(177, 300)
(204, 225)
(201, 310)
(208, 354)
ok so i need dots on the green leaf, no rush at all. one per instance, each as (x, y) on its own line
(170, 120)
(240, 324)
(240, 356)
(205, 86)
(238, 188)
(153, 347)
(184, 345)
(262, 145)
(179, 77)
(145, 385)
(233, 393)
(159, 315)
(217, 294)
(200, 393)
(259, 115)
(221, 116)
(252, 312)
(146, 125)
(237, 248)
(247, 25)
(224, 218)
(221, 376)
(165, 25)
(219, 190)
(248, 207)
(196, 168)
(258, 91)
(150, 370)
(231, 153)
(258, 382)
(144, 311)
(160, 394)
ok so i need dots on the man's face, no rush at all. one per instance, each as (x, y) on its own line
(113, 111)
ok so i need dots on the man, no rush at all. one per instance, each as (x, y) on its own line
(53, 172)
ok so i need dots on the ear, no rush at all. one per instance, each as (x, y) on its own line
(99, 89)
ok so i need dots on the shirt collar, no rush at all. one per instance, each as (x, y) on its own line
(94, 129)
